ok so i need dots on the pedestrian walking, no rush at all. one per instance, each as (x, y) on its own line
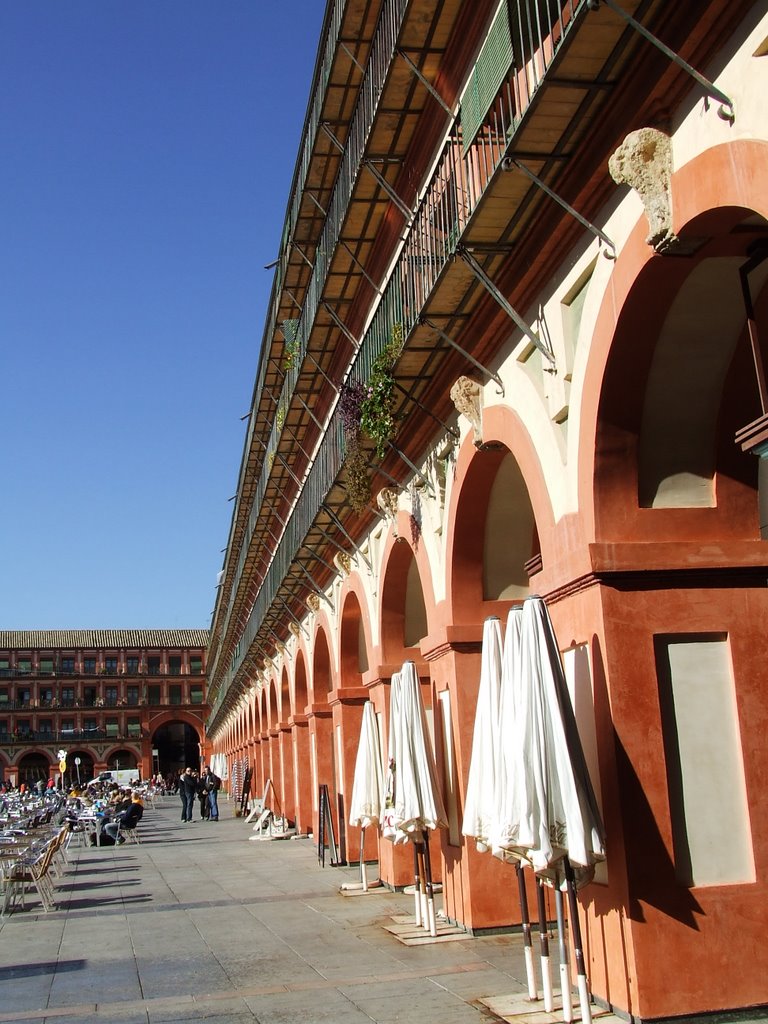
(202, 796)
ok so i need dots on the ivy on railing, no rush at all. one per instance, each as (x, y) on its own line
(377, 419)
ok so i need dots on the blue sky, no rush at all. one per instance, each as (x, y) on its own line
(146, 152)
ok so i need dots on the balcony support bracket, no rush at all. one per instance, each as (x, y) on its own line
(449, 341)
(413, 468)
(512, 313)
(510, 163)
(726, 110)
(425, 82)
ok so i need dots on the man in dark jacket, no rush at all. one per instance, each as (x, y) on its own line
(188, 787)
(212, 784)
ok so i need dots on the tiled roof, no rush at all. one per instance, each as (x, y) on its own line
(26, 639)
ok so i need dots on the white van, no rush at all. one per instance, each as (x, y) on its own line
(124, 777)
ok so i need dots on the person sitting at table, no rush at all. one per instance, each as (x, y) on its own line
(129, 818)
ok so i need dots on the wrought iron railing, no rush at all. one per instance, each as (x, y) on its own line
(462, 175)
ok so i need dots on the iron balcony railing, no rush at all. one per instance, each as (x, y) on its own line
(463, 172)
(378, 66)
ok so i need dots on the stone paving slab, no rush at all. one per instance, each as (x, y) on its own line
(198, 924)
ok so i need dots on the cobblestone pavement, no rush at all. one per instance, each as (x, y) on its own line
(199, 923)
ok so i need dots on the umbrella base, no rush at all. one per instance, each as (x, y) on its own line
(517, 1008)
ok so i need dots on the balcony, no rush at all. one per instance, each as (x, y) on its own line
(70, 736)
(563, 68)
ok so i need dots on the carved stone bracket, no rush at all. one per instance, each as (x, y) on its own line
(467, 396)
(313, 602)
(343, 562)
(387, 500)
(644, 162)
(293, 627)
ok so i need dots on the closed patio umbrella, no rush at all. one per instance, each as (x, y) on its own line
(417, 803)
(484, 770)
(555, 822)
(367, 786)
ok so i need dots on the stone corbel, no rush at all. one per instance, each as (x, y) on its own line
(343, 563)
(387, 500)
(293, 627)
(644, 162)
(313, 602)
(467, 396)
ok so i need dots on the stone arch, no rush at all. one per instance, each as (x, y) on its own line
(33, 765)
(499, 519)
(322, 671)
(123, 757)
(354, 641)
(272, 703)
(406, 600)
(669, 379)
(284, 697)
(300, 694)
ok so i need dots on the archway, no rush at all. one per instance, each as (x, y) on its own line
(80, 768)
(32, 767)
(122, 759)
(178, 747)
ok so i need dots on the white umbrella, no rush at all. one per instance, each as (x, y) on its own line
(417, 803)
(556, 822)
(367, 786)
(503, 834)
(480, 800)
(556, 810)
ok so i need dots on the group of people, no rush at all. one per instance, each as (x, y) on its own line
(201, 785)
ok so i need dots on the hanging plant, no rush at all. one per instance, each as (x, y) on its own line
(377, 419)
(290, 352)
(280, 418)
(351, 398)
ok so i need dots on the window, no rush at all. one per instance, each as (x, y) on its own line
(153, 666)
(4, 667)
(45, 726)
(46, 667)
(196, 693)
(110, 695)
(132, 666)
(24, 666)
(112, 727)
(3, 727)
(46, 696)
(110, 666)
(195, 666)
(67, 666)
(4, 695)
(174, 665)
(175, 693)
(154, 693)
(67, 725)
(89, 696)
(89, 666)
(68, 696)
(23, 695)
(134, 727)
(23, 727)
(90, 725)
(133, 695)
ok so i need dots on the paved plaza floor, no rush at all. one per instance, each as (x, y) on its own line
(199, 923)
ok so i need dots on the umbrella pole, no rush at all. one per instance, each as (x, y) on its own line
(416, 887)
(363, 876)
(546, 972)
(578, 950)
(423, 885)
(526, 923)
(565, 967)
(430, 888)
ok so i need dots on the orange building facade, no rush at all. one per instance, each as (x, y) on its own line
(538, 243)
(109, 699)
